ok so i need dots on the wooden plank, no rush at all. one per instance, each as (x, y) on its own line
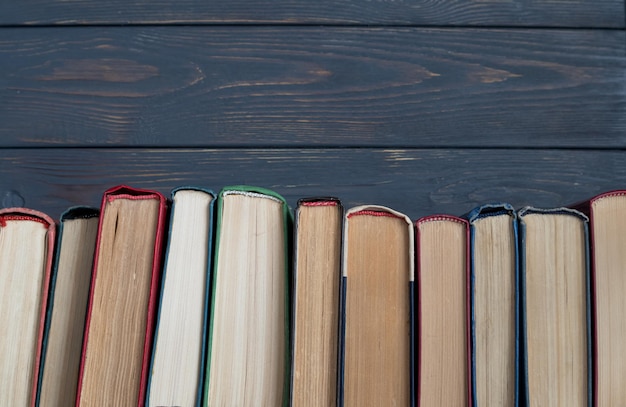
(549, 13)
(294, 86)
(417, 182)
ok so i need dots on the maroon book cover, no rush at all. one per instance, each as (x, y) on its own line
(420, 288)
(48, 223)
(125, 192)
(586, 207)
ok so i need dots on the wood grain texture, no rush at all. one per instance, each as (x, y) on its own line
(570, 13)
(251, 86)
(415, 182)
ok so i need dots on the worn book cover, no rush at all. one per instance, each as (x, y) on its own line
(67, 306)
(377, 308)
(494, 295)
(123, 298)
(316, 286)
(607, 244)
(555, 307)
(27, 239)
(248, 355)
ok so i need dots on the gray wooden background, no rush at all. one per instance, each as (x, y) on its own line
(424, 106)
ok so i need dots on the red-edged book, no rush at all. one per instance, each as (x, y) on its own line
(443, 311)
(607, 243)
(26, 249)
(123, 298)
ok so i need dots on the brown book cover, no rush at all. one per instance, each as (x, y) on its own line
(376, 340)
(121, 290)
(315, 301)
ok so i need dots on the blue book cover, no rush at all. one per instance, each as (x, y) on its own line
(493, 227)
(555, 306)
(65, 350)
(176, 334)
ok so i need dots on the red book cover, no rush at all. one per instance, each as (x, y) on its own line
(587, 207)
(127, 193)
(420, 292)
(48, 223)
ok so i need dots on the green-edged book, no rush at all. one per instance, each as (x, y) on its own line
(248, 352)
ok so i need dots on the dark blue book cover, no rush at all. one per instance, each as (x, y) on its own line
(494, 226)
(66, 348)
(564, 284)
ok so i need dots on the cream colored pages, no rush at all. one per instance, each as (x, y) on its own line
(316, 305)
(247, 366)
(378, 265)
(609, 228)
(494, 310)
(556, 310)
(23, 251)
(177, 359)
(65, 338)
(443, 369)
(114, 349)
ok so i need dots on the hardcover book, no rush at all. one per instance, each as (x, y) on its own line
(67, 306)
(316, 281)
(494, 305)
(554, 268)
(377, 327)
(177, 369)
(443, 312)
(26, 248)
(607, 219)
(123, 298)
(248, 352)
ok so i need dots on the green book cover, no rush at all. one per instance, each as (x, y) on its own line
(214, 330)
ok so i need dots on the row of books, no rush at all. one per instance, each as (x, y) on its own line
(156, 302)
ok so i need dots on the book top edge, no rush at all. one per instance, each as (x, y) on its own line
(489, 210)
(26, 212)
(79, 212)
(192, 188)
(319, 201)
(529, 210)
(376, 210)
(609, 194)
(441, 218)
(252, 191)
(126, 192)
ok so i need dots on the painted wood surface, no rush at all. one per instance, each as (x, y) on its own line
(417, 182)
(548, 13)
(312, 87)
